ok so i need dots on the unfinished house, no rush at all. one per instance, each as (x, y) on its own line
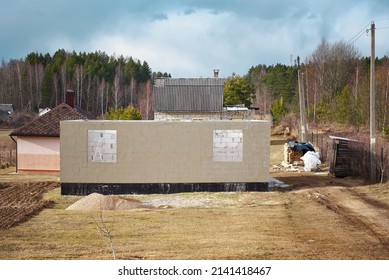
(126, 157)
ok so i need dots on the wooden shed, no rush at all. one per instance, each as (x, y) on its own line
(347, 157)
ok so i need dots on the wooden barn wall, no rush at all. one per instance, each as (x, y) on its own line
(348, 158)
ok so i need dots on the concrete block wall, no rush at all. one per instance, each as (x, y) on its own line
(165, 152)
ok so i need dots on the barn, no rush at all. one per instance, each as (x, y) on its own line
(188, 98)
(196, 99)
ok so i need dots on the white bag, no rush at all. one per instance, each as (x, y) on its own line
(311, 161)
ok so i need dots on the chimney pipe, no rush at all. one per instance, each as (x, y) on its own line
(70, 98)
(216, 73)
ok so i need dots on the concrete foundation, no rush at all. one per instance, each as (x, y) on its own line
(111, 189)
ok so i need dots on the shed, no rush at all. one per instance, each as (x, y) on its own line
(347, 157)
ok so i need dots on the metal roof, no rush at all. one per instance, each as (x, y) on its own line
(189, 95)
(343, 139)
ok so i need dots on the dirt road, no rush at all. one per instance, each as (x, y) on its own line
(362, 212)
(348, 204)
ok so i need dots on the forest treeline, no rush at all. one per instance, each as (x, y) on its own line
(98, 80)
(335, 81)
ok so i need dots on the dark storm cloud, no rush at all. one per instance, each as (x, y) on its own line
(31, 25)
(199, 34)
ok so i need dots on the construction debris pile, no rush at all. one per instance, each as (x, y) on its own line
(298, 157)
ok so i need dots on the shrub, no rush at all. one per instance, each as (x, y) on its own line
(129, 113)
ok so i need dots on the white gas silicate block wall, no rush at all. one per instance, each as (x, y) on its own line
(228, 145)
(102, 146)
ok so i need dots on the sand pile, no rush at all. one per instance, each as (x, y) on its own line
(95, 202)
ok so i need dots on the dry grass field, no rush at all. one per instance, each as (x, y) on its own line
(318, 217)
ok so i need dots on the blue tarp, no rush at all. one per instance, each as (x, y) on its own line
(304, 147)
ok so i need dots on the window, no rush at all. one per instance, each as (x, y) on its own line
(102, 146)
(227, 145)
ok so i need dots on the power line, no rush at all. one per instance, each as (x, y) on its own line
(358, 35)
(365, 30)
(352, 42)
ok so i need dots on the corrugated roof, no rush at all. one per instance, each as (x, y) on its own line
(48, 124)
(191, 82)
(189, 95)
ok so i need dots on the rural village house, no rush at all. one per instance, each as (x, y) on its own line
(38, 142)
(189, 98)
(195, 99)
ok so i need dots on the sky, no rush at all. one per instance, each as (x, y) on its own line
(190, 38)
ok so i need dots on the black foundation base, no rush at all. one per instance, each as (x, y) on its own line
(106, 189)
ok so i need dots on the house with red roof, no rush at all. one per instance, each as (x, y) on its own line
(38, 142)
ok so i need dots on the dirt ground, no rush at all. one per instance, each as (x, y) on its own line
(19, 201)
(316, 217)
(358, 205)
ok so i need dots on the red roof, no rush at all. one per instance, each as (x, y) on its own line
(48, 124)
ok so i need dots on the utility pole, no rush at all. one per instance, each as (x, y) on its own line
(372, 106)
(303, 127)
